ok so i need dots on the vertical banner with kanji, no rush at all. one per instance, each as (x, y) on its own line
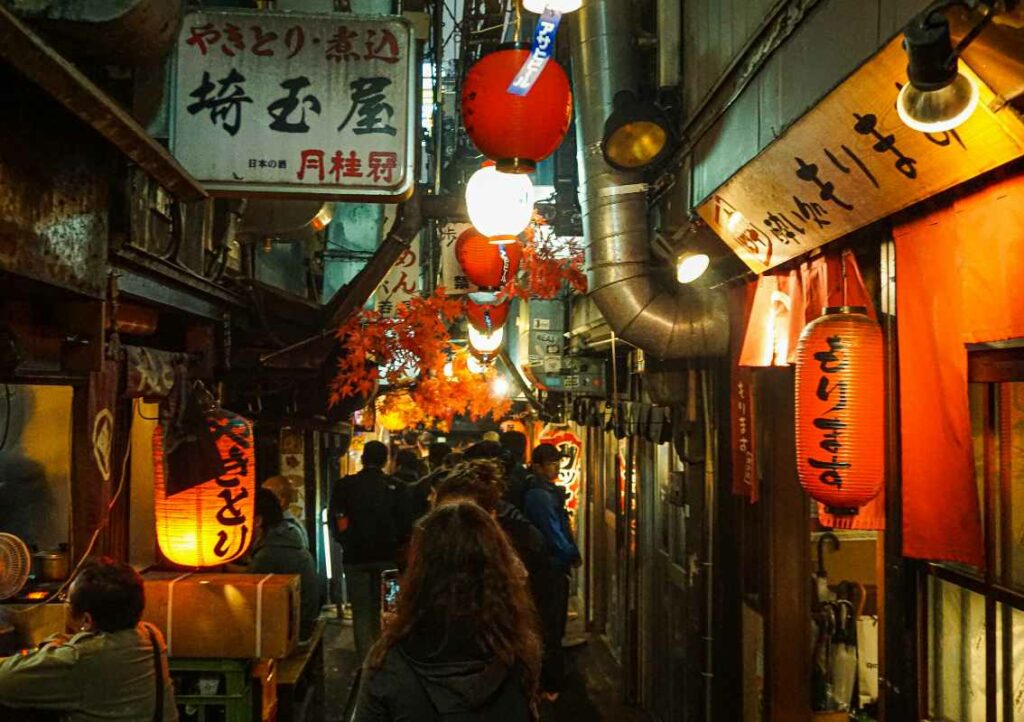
(403, 280)
(569, 473)
(307, 105)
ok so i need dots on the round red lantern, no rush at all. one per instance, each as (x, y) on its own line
(487, 317)
(517, 131)
(840, 409)
(487, 265)
(202, 523)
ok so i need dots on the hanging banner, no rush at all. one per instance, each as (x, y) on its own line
(540, 53)
(569, 474)
(314, 106)
(851, 161)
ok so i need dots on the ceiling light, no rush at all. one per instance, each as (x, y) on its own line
(499, 204)
(323, 217)
(938, 97)
(691, 266)
(636, 134)
(560, 6)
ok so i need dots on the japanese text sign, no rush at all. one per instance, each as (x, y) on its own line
(403, 280)
(307, 105)
(851, 161)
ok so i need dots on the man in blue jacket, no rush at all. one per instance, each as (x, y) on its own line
(544, 505)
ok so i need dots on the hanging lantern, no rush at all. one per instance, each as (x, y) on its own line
(518, 131)
(487, 317)
(840, 421)
(209, 523)
(486, 344)
(485, 264)
(499, 205)
(478, 363)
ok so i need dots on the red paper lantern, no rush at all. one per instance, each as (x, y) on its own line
(487, 317)
(486, 264)
(209, 523)
(840, 402)
(517, 131)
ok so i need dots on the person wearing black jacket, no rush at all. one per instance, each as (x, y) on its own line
(481, 481)
(462, 645)
(514, 442)
(371, 515)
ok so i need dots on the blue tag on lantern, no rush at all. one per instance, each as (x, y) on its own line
(540, 53)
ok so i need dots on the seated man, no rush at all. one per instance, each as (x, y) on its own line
(282, 488)
(113, 668)
(278, 549)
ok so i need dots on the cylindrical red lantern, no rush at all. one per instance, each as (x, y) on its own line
(840, 402)
(211, 522)
(486, 264)
(487, 317)
(517, 131)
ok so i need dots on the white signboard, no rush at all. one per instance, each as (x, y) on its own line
(306, 105)
(403, 280)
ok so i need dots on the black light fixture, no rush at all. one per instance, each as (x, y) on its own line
(939, 97)
(637, 134)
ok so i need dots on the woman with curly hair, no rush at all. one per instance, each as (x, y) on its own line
(463, 644)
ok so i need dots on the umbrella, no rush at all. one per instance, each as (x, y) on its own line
(843, 659)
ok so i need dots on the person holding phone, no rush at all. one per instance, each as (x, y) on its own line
(463, 642)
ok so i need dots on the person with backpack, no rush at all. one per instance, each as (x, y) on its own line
(371, 524)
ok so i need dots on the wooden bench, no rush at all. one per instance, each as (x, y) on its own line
(300, 680)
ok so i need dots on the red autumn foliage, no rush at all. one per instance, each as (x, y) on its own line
(409, 352)
(549, 264)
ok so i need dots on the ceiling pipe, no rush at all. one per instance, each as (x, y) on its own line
(664, 319)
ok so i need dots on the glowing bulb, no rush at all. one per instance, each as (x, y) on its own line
(486, 343)
(499, 204)
(500, 386)
(735, 223)
(449, 369)
(562, 6)
(691, 266)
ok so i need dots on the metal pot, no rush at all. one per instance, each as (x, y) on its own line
(50, 566)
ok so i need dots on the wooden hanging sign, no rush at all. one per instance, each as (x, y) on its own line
(851, 161)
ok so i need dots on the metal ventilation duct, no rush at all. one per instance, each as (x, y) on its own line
(666, 321)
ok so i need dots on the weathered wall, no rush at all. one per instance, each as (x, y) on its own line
(834, 38)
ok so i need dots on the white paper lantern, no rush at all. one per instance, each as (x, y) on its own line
(499, 204)
(486, 343)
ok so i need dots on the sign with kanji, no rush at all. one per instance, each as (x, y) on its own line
(851, 161)
(403, 280)
(307, 105)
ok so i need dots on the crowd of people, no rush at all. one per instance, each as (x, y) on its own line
(485, 550)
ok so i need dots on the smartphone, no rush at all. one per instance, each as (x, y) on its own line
(389, 589)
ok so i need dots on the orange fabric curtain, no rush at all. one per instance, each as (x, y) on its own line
(959, 271)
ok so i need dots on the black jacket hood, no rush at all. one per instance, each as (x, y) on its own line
(459, 687)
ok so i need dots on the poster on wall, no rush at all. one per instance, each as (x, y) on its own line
(293, 466)
(569, 474)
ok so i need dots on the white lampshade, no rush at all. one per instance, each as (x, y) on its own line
(562, 6)
(486, 343)
(499, 204)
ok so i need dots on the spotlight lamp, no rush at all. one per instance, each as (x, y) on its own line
(637, 134)
(691, 266)
(938, 97)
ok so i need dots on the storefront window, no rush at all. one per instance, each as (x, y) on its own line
(975, 616)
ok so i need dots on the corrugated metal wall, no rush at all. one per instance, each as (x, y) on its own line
(832, 41)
